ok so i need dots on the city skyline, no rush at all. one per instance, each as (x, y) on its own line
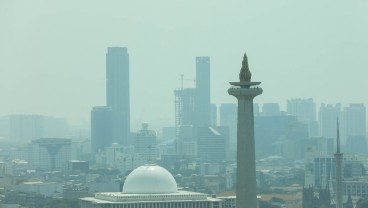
(286, 52)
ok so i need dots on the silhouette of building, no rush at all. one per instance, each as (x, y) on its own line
(203, 92)
(24, 128)
(145, 144)
(228, 112)
(305, 111)
(354, 128)
(185, 113)
(212, 143)
(271, 109)
(327, 119)
(50, 153)
(101, 128)
(117, 92)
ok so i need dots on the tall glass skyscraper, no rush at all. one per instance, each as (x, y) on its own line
(203, 92)
(117, 92)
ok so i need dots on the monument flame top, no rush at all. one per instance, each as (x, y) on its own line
(245, 75)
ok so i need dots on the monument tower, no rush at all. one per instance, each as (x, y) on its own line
(245, 91)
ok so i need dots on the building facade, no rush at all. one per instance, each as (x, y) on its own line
(203, 92)
(50, 153)
(101, 128)
(117, 92)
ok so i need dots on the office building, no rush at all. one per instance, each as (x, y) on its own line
(305, 111)
(50, 153)
(117, 92)
(203, 92)
(270, 109)
(185, 113)
(228, 118)
(327, 119)
(212, 143)
(353, 121)
(145, 143)
(24, 128)
(101, 128)
(213, 115)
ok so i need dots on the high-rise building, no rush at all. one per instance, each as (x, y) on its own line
(203, 92)
(185, 113)
(145, 143)
(305, 111)
(228, 112)
(24, 128)
(270, 109)
(213, 115)
(101, 128)
(353, 120)
(327, 119)
(117, 92)
(212, 143)
(50, 153)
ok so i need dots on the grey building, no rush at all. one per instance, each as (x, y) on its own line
(50, 153)
(212, 143)
(328, 114)
(228, 117)
(101, 128)
(117, 92)
(203, 92)
(305, 111)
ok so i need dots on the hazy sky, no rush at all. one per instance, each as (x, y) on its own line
(52, 53)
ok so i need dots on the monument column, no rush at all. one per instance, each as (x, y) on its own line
(245, 91)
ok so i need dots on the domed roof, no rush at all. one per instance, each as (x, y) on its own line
(150, 179)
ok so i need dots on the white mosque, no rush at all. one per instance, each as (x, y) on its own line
(151, 186)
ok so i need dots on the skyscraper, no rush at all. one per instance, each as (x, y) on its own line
(305, 111)
(117, 92)
(203, 93)
(101, 128)
(327, 119)
(354, 128)
(228, 113)
(185, 113)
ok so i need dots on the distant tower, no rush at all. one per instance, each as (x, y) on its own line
(338, 160)
(327, 119)
(101, 128)
(203, 93)
(245, 91)
(117, 92)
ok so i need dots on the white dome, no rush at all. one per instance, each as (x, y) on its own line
(150, 179)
